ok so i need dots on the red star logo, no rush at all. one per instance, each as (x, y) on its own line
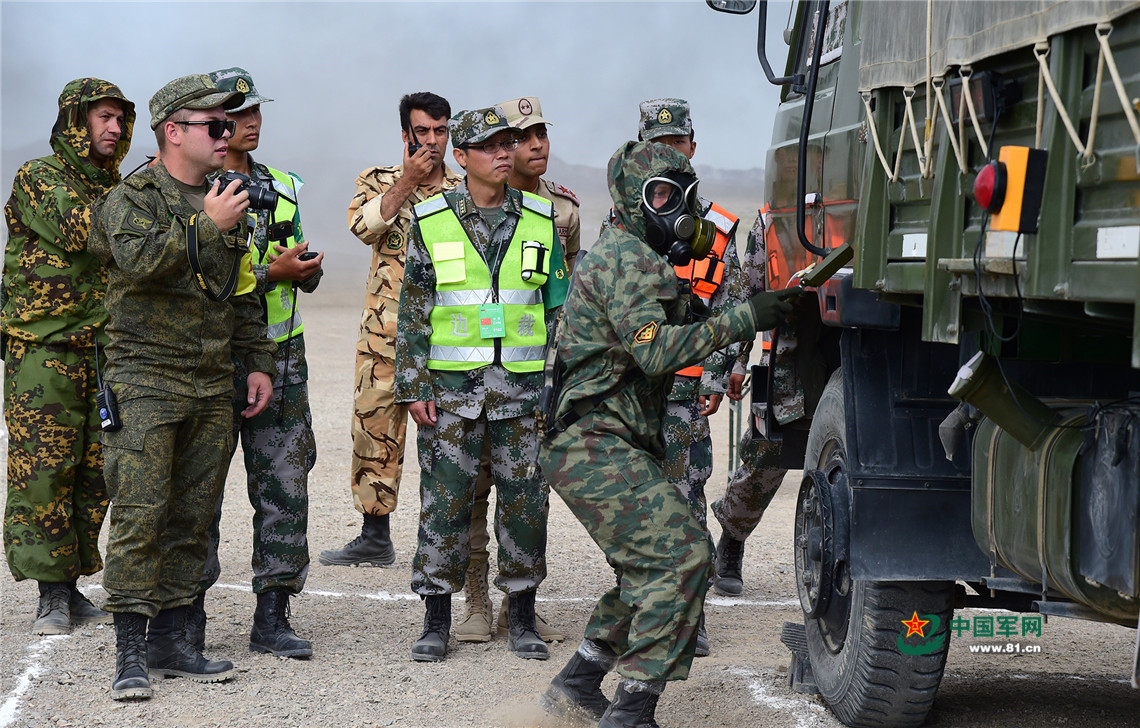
(914, 625)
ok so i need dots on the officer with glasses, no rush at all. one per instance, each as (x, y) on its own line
(484, 279)
(173, 247)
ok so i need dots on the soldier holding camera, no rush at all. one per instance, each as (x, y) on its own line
(278, 444)
(173, 328)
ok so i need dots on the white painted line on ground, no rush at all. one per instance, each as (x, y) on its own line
(804, 710)
(386, 596)
(36, 652)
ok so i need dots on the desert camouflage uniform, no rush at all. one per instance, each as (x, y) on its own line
(278, 445)
(623, 330)
(490, 402)
(169, 362)
(379, 424)
(755, 482)
(52, 299)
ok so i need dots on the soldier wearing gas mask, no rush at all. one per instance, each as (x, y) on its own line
(627, 326)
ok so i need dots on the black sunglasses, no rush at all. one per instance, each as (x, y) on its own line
(216, 128)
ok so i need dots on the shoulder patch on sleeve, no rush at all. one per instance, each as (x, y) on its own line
(136, 220)
(646, 333)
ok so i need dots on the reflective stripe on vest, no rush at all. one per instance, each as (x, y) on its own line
(706, 275)
(463, 283)
(281, 297)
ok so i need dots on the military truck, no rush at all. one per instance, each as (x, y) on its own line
(956, 186)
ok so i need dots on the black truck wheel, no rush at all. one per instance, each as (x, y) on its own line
(866, 668)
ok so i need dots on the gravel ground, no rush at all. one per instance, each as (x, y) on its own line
(363, 621)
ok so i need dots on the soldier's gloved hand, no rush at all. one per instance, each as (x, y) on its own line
(770, 308)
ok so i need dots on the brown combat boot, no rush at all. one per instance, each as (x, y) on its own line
(476, 626)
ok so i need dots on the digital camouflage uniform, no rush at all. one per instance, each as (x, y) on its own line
(379, 424)
(52, 298)
(489, 402)
(169, 362)
(278, 445)
(622, 333)
(756, 480)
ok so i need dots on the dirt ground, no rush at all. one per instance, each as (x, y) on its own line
(362, 623)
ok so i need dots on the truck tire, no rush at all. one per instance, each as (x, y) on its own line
(853, 628)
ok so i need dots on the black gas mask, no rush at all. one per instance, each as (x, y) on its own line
(672, 211)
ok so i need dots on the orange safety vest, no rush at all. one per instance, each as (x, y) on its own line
(705, 275)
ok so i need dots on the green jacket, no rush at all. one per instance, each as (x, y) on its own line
(165, 333)
(53, 287)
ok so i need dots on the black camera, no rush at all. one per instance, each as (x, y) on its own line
(260, 198)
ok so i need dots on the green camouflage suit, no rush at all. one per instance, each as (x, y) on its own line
(52, 298)
(486, 403)
(278, 455)
(754, 483)
(622, 327)
(169, 362)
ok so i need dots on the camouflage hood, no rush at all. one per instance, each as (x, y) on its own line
(630, 166)
(70, 137)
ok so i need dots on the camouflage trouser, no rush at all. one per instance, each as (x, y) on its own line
(648, 533)
(688, 453)
(752, 487)
(449, 464)
(56, 495)
(165, 470)
(278, 458)
(379, 430)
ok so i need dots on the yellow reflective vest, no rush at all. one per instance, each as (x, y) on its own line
(281, 296)
(467, 300)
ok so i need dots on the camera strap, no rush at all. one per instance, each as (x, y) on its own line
(196, 264)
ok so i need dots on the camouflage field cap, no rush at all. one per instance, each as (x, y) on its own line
(475, 126)
(195, 91)
(238, 79)
(661, 117)
(523, 113)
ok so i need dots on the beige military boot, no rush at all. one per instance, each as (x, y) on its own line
(476, 625)
(545, 631)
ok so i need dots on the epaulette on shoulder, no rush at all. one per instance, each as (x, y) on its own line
(562, 191)
(140, 180)
(430, 206)
(541, 205)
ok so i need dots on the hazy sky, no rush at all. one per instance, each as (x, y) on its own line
(337, 71)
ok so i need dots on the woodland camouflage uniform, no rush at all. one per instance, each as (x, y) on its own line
(623, 334)
(52, 295)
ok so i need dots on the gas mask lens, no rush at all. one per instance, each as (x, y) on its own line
(663, 196)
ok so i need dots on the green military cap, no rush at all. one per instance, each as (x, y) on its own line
(478, 125)
(662, 117)
(238, 79)
(195, 91)
(523, 113)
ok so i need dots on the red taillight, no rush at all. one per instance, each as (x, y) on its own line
(989, 186)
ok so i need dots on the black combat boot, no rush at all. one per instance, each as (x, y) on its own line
(196, 623)
(132, 682)
(702, 649)
(271, 631)
(432, 644)
(576, 692)
(633, 706)
(53, 615)
(83, 611)
(373, 547)
(170, 654)
(729, 565)
(524, 638)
